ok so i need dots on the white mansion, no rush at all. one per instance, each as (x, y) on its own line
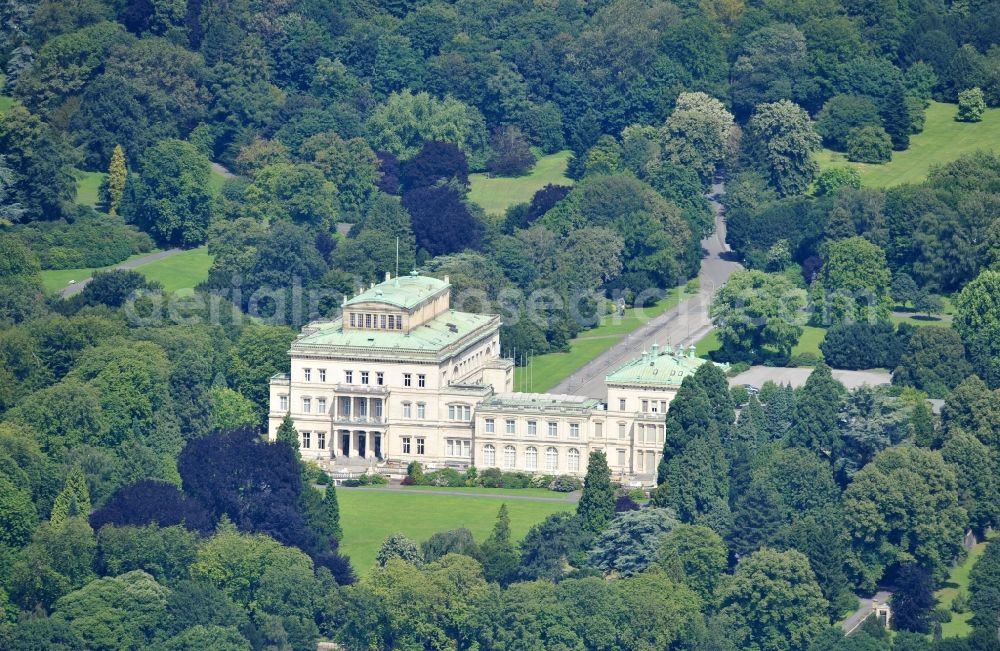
(401, 376)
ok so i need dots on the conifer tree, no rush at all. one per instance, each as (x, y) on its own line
(597, 504)
(115, 182)
(497, 555)
(74, 500)
(817, 408)
(896, 117)
(288, 433)
(758, 519)
(331, 509)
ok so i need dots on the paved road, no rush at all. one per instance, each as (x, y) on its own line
(863, 611)
(758, 375)
(681, 325)
(78, 286)
(568, 498)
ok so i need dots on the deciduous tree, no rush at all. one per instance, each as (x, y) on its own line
(782, 141)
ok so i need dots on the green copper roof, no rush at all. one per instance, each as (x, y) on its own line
(659, 366)
(540, 400)
(405, 291)
(435, 335)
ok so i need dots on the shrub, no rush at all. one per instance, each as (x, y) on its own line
(92, 240)
(373, 479)
(692, 286)
(740, 395)
(444, 477)
(408, 481)
(515, 480)
(831, 180)
(960, 604)
(625, 503)
(541, 481)
(637, 494)
(869, 144)
(566, 484)
(491, 478)
(971, 105)
(416, 471)
(804, 359)
(351, 483)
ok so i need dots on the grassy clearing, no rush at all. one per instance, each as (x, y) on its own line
(942, 140)
(57, 279)
(369, 515)
(216, 179)
(479, 490)
(6, 101)
(179, 272)
(496, 194)
(809, 341)
(88, 185)
(958, 580)
(546, 371)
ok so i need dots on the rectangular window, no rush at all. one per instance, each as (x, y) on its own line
(306, 405)
(407, 410)
(321, 440)
(322, 375)
(307, 374)
(349, 377)
(450, 447)
(511, 427)
(368, 320)
(320, 405)
(467, 448)
(407, 380)
(640, 460)
(406, 445)
(553, 429)
(421, 410)
(306, 440)
(598, 429)
(574, 430)
(621, 458)
(421, 380)
(352, 320)
(420, 446)
(490, 425)
(364, 377)
(645, 406)
(621, 430)
(532, 428)
(381, 321)
(660, 433)
(282, 403)
(379, 378)
(345, 406)
(621, 404)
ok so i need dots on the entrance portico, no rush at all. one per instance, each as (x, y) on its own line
(365, 444)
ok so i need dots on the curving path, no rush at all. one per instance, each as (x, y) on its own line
(683, 324)
(77, 287)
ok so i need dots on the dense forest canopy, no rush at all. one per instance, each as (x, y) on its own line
(313, 145)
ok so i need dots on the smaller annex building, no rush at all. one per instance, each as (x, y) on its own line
(400, 376)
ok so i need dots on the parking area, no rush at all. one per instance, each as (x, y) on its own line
(758, 375)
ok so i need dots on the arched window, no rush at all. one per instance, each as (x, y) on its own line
(573, 459)
(489, 456)
(551, 459)
(531, 458)
(509, 456)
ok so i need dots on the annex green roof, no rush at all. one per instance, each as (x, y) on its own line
(518, 399)
(659, 366)
(404, 291)
(434, 335)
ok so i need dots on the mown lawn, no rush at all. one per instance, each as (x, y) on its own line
(88, 185)
(808, 342)
(182, 271)
(57, 279)
(942, 140)
(369, 515)
(479, 490)
(496, 194)
(545, 371)
(5, 100)
(958, 580)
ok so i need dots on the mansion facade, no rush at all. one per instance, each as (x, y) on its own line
(400, 376)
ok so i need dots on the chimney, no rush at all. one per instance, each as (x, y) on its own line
(655, 350)
(446, 280)
(691, 350)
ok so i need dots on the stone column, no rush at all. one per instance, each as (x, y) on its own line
(350, 443)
